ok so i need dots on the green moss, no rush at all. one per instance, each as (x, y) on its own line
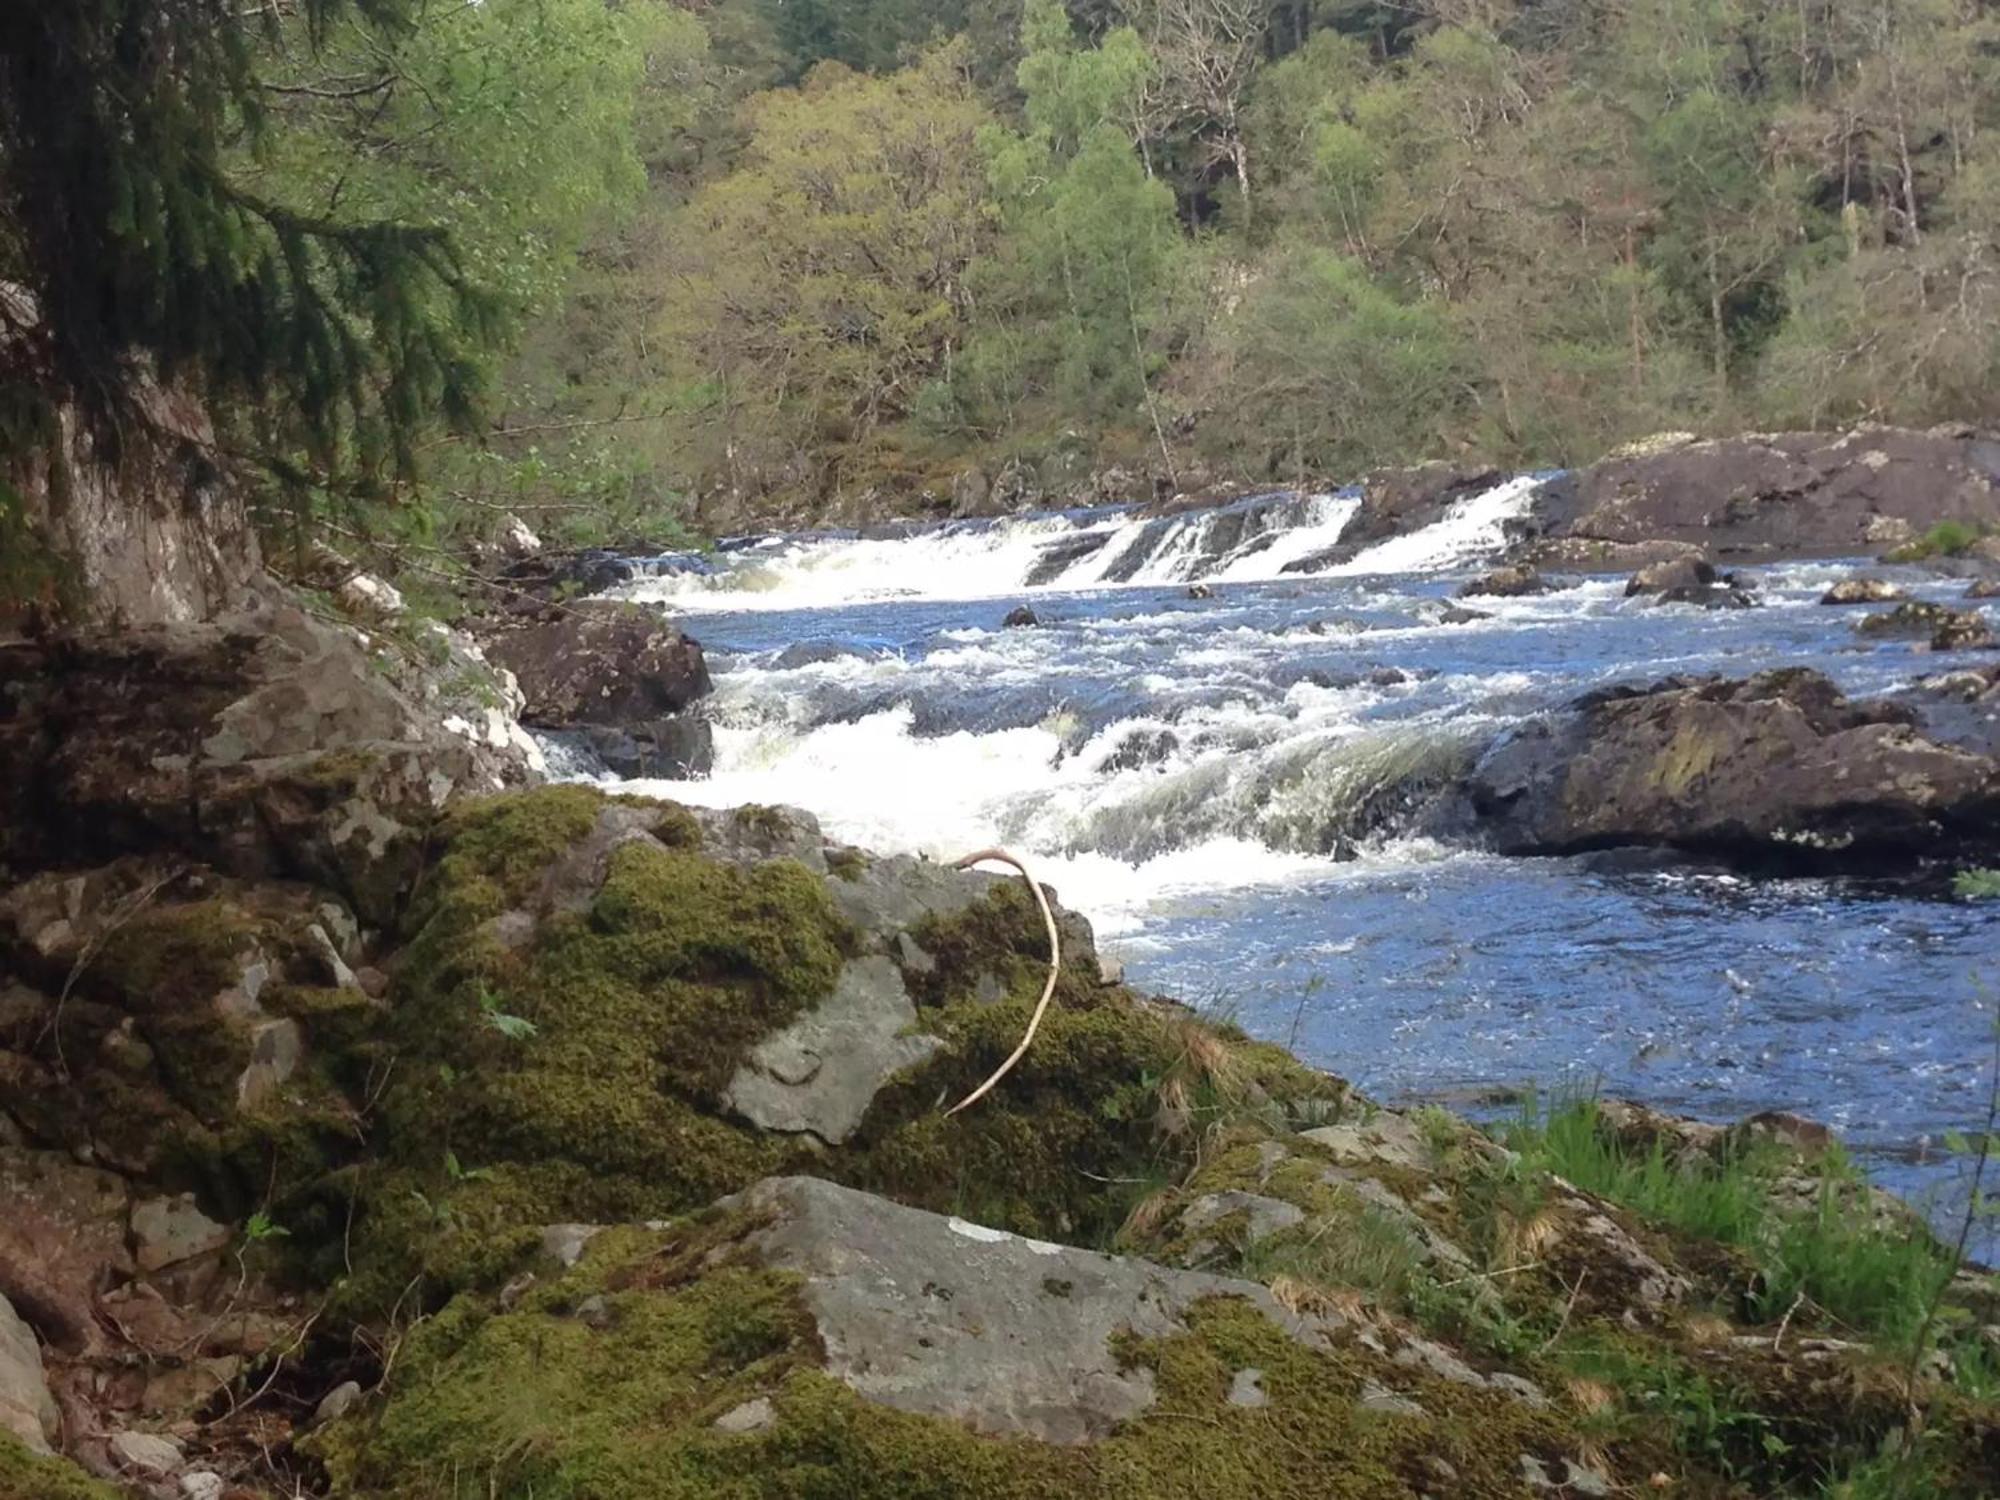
(23, 1476)
(540, 1402)
(501, 847)
(642, 1006)
(340, 1025)
(174, 959)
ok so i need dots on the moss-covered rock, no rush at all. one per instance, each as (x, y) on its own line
(811, 1341)
(584, 980)
(24, 1476)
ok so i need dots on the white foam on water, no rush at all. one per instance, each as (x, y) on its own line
(1263, 536)
(1473, 528)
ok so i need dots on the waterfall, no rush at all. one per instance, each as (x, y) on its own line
(1258, 539)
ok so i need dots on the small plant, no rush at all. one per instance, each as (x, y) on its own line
(1977, 885)
(514, 1028)
(1946, 539)
(260, 1227)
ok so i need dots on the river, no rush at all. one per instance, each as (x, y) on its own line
(1230, 788)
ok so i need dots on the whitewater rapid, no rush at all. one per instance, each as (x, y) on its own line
(1259, 539)
(1249, 793)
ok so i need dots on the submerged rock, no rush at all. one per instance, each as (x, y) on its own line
(1947, 629)
(1778, 764)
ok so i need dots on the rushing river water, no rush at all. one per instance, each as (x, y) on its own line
(1223, 786)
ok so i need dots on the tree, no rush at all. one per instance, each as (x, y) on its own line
(1322, 371)
(133, 237)
(1207, 53)
(328, 218)
(821, 285)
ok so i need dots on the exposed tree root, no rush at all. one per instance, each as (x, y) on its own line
(1048, 989)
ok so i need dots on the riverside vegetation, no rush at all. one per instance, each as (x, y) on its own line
(742, 260)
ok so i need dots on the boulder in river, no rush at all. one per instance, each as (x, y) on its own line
(1947, 629)
(1983, 588)
(623, 677)
(1019, 617)
(1682, 573)
(1507, 583)
(602, 661)
(1708, 596)
(1689, 580)
(1780, 764)
(1863, 591)
(1779, 494)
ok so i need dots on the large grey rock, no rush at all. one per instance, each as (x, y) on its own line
(27, 1410)
(1779, 494)
(267, 744)
(819, 1074)
(603, 662)
(1011, 1336)
(1780, 763)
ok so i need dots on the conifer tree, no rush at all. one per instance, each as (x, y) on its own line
(120, 219)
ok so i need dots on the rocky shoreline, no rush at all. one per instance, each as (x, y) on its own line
(377, 1121)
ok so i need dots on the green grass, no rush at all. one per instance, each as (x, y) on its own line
(1946, 539)
(1875, 1278)
(1727, 1200)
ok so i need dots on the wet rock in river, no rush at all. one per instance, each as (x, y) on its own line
(1781, 763)
(1862, 591)
(1507, 583)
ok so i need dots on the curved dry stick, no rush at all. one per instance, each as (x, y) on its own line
(1048, 990)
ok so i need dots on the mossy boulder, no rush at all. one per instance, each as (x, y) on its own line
(608, 1010)
(806, 1339)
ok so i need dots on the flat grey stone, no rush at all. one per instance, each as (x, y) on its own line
(1384, 1137)
(1379, 1398)
(565, 1243)
(945, 1318)
(819, 1074)
(751, 1416)
(167, 1231)
(1266, 1215)
(202, 1484)
(27, 1410)
(1246, 1388)
(145, 1453)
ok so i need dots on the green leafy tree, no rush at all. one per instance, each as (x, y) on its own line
(819, 287)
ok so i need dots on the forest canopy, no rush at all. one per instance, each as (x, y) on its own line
(608, 261)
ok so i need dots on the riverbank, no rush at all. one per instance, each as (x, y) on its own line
(612, 1157)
